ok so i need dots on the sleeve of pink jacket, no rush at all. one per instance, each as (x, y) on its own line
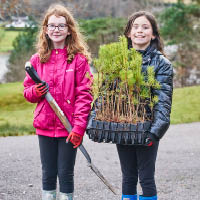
(29, 91)
(83, 96)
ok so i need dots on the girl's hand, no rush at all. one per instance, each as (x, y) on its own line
(150, 139)
(41, 89)
(148, 142)
(75, 139)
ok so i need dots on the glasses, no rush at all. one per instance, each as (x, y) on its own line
(52, 27)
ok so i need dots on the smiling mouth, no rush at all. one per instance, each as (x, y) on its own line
(140, 37)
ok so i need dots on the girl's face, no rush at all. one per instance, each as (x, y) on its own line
(141, 33)
(57, 30)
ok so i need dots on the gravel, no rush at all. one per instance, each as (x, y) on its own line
(177, 168)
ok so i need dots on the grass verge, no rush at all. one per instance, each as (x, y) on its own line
(6, 40)
(185, 105)
(16, 114)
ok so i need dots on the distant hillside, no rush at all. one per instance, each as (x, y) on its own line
(96, 8)
(174, 1)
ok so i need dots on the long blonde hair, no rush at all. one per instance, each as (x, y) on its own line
(74, 42)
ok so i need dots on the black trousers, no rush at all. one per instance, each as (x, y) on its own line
(138, 162)
(58, 160)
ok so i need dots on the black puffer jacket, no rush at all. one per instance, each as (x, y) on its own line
(164, 75)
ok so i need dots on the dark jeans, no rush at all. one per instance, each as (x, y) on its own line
(58, 159)
(138, 161)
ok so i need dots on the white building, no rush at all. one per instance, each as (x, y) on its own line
(19, 22)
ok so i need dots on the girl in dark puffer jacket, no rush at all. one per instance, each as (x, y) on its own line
(139, 161)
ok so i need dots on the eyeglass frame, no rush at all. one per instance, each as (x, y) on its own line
(64, 27)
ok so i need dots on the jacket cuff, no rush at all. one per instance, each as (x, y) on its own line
(153, 137)
(34, 93)
(78, 129)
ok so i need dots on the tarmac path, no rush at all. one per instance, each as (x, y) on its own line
(177, 168)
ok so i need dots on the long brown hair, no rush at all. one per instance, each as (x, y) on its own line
(157, 42)
(74, 42)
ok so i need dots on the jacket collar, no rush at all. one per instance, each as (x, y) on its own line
(148, 54)
(59, 51)
(58, 54)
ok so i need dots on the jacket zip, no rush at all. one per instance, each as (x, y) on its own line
(54, 78)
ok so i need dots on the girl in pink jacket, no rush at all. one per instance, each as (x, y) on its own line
(62, 62)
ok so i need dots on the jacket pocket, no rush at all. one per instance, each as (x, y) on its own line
(38, 109)
(69, 111)
(41, 117)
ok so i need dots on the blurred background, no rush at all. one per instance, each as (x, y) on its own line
(101, 22)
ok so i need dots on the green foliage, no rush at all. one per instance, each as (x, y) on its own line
(23, 48)
(178, 22)
(94, 28)
(197, 1)
(185, 105)
(101, 31)
(16, 113)
(6, 39)
(122, 84)
(23, 43)
(14, 130)
(2, 34)
(181, 26)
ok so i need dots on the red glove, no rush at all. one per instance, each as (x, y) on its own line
(148, 142)
(150, 139)
(41, 89)
(75, 139)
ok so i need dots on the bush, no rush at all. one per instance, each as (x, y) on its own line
(180, 26)
(2, 33)
(23, 49)
(101, 31)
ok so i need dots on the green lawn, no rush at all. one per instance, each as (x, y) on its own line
(16, 115)
(7, 40)
(185, 106)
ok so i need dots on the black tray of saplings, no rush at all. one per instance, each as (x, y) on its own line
(121, 96)
(118, 133)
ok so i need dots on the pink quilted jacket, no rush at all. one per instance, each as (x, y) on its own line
(69, 84)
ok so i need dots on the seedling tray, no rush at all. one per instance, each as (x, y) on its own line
(118, 133)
